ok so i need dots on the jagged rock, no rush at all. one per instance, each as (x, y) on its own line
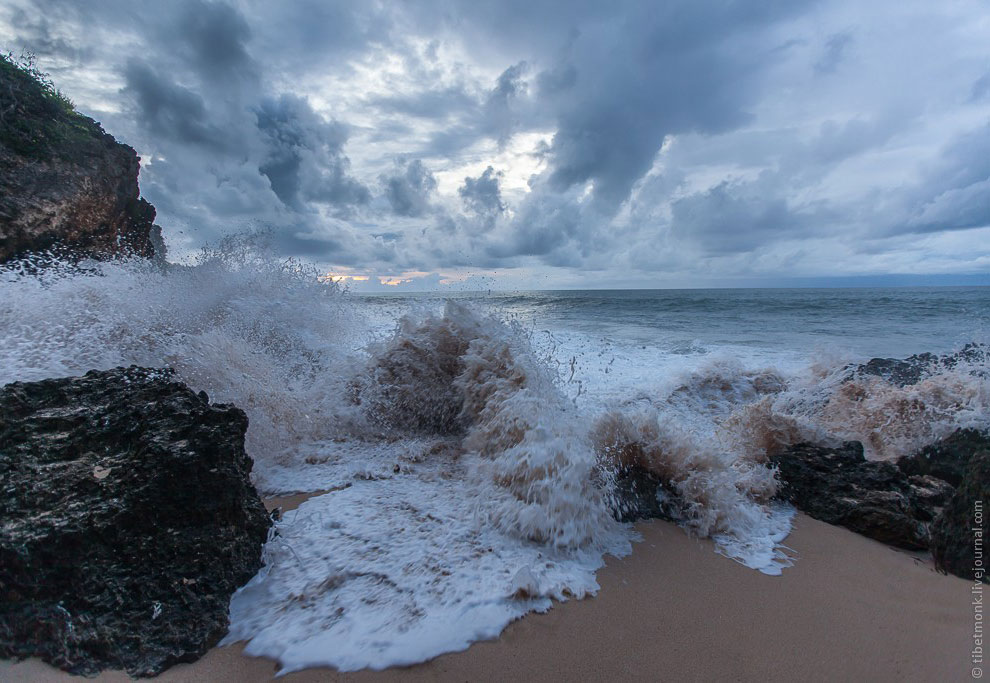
(954, 535)
(913, 369)
(65, 184)
(127, 520)
(948, 458)
(876, 499)
(638, 494)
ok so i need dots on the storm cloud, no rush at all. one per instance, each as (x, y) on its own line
(557, 143)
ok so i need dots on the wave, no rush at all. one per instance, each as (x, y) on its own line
(466, 485)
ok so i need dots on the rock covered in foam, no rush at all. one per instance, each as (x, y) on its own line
(876, 499)
(913, 369)
(954, 535)
(128, 520)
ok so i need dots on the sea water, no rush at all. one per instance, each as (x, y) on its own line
(466, 443)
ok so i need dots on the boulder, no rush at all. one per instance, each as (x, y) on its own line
(128, 520)
(959, 534)
(876, 499)
(65, 184)
(947, 458)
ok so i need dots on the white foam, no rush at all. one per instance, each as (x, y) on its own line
(466, 489)
(397, 570)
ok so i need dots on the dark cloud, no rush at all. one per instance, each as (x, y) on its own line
(215, 35)
(677, 135)
(170, 111)
(483, 196)
(409, 187)
(305, 160)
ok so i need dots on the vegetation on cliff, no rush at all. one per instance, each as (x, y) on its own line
(36, 119)
(64, 182)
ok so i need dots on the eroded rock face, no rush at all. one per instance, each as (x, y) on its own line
(127, 520)
(876, 499)
(64, 182)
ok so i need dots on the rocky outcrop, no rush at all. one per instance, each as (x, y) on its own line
(913, 369)
(65, 184)
(947, 459)
(127, 520)
(924, 501)
(959, 541)
(876, 499)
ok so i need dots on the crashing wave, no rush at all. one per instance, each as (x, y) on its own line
(466, 487)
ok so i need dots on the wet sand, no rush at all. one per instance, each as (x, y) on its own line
(850, 608)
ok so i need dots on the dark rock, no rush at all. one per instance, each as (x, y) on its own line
(913, 369)
(948, 458)
(128, 520)
(638, 494)
(65, 183)
(876, 499)
(900, 372)
(954, 533)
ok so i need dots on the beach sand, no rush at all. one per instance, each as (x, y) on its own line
(850, 608)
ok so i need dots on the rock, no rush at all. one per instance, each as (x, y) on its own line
(639, 494)
(899, 372)
(128, 520)
(913, 369)
(954, 533)
(64, 183)
(948, 458)
(876, 499)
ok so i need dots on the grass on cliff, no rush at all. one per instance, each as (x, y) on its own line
(36, 119)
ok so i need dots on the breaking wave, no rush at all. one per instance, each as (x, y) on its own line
(461, 480)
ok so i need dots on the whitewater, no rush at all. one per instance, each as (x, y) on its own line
(463, 448)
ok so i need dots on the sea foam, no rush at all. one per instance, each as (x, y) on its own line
(467, 459)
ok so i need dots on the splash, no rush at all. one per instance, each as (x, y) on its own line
(468, 482)
(891, 419)
(247, 328)
(448, 546)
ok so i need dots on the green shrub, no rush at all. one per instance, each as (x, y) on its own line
(36, 119)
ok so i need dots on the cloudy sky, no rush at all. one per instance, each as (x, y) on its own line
(568, 143)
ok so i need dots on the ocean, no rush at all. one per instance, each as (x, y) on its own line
(463, 446)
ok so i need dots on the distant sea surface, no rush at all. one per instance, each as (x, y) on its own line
(865, 322)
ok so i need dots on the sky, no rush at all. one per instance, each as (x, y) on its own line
(529, 144)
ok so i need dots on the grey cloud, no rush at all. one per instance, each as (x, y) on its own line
(483, 196)
(762, 154)
(215, 35)
(170, 111)
(835, 51)
(981, 88)
(955, 194)
(732, 218)
(408, 189)
(305, 160)
(429, 104)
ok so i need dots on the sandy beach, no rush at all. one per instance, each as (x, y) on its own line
(850, 608)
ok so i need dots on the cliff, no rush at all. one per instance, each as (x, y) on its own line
(64, 182)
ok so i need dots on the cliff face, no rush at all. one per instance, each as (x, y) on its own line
(64, 182)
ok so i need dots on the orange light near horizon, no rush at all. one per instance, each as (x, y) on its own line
(391, 281)
(340, 278)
